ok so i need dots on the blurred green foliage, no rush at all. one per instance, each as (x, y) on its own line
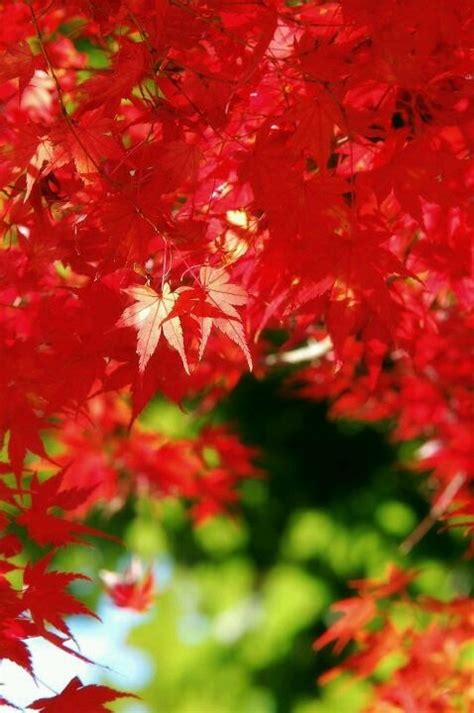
(245, 596)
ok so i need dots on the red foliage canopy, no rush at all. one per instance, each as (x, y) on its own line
(180, 176)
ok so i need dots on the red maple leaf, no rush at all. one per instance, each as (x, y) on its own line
(355, 614)
(45, 527)
(78, 697)
(46, 598)
(14, 628)
(134, 589)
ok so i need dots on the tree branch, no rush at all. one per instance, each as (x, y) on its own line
(440, 506)
(312, 350)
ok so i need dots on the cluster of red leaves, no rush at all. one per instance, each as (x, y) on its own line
(291, 153)
(177, 175)
(428, 637)
(425, 395)
(100, 454)
(34, 600)
(101, 465)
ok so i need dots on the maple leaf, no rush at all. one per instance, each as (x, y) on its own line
(177, 162)
(150, 316)
(356, 613)
(46, 598)
(10, 545)
(395, 581)
(133, 589)
(24, 436)
(316, 119)
(77, 697)
(46, 528)
(18, 61)
(13, 627)
(223, 295)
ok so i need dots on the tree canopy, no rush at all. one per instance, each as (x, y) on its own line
(192, 190)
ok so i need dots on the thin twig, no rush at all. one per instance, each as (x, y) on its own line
(440, 506)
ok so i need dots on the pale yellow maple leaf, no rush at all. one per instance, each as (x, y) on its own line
(223, 295)
(149, 315)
